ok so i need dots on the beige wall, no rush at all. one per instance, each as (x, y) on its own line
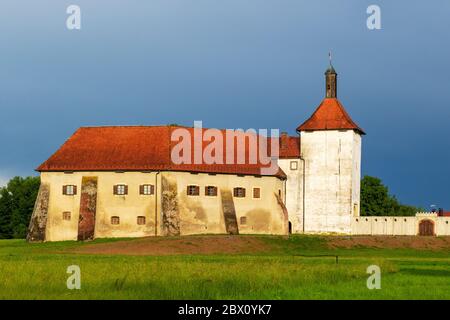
(203, 214)
(401, 226)
(128, 207)
(198, 214)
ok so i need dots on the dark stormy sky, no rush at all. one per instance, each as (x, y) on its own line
(231, 64)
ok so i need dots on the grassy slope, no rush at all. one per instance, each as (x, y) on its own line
(294, 268)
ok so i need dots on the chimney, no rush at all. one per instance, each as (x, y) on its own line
(284, 140)
(441, 212)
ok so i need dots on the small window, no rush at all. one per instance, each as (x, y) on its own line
(294, 165)
(210, 191)
(66, 216)
(120, 189)
(193, 190)
(243, 220)
(256, 193)
(279, 192)
(141, 220)
(239, 192)
(147, 189)
(115, 220)
(69, 190)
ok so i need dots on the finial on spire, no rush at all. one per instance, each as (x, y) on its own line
(330, 68)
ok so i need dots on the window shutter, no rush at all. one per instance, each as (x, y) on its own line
(197, 190)
(234, 192)
(215, 191)
(114, 189)
(206, 191)
(243, 192)
(187, 190)
(74, 190)
(64, 190)
(152, 189)
(141, 189)
(126, 189)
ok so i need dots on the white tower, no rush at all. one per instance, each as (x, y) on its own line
(331, 151)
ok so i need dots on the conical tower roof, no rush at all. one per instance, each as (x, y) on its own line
(330, 115)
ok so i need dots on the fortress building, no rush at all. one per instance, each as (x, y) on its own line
(122, 181)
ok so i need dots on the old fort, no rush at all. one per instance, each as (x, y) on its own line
(121, 181)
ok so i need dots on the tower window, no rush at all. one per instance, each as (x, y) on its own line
(120, 189)
(115, 220)
(294, 165)
(193, 190)
(141, 220)
(210, 191)
(66, 215)
(69, 190)
(239, 192)
(256, 193)
(147, 189)
(243, 220)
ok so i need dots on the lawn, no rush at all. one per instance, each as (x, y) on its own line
(299, 267)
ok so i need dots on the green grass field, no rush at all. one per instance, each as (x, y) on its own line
(301, 267)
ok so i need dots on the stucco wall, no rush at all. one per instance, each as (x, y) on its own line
(401, 226)
(332, 173)
(294, 192)
(128, 207)
(195, 214)
(204, 214)
(38, 221)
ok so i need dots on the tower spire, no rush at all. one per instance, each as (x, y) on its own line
(330, 80)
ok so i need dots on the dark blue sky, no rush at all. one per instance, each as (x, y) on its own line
(233, 63)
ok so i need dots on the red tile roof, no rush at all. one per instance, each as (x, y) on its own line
(139, 148)
(330, 115)
(289, 147)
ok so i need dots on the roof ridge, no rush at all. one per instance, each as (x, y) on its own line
(132, 126)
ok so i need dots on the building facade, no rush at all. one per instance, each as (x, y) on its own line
(123, 181)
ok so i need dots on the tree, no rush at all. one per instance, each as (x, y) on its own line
(5, 214)
(16, 206)
(376, 200)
